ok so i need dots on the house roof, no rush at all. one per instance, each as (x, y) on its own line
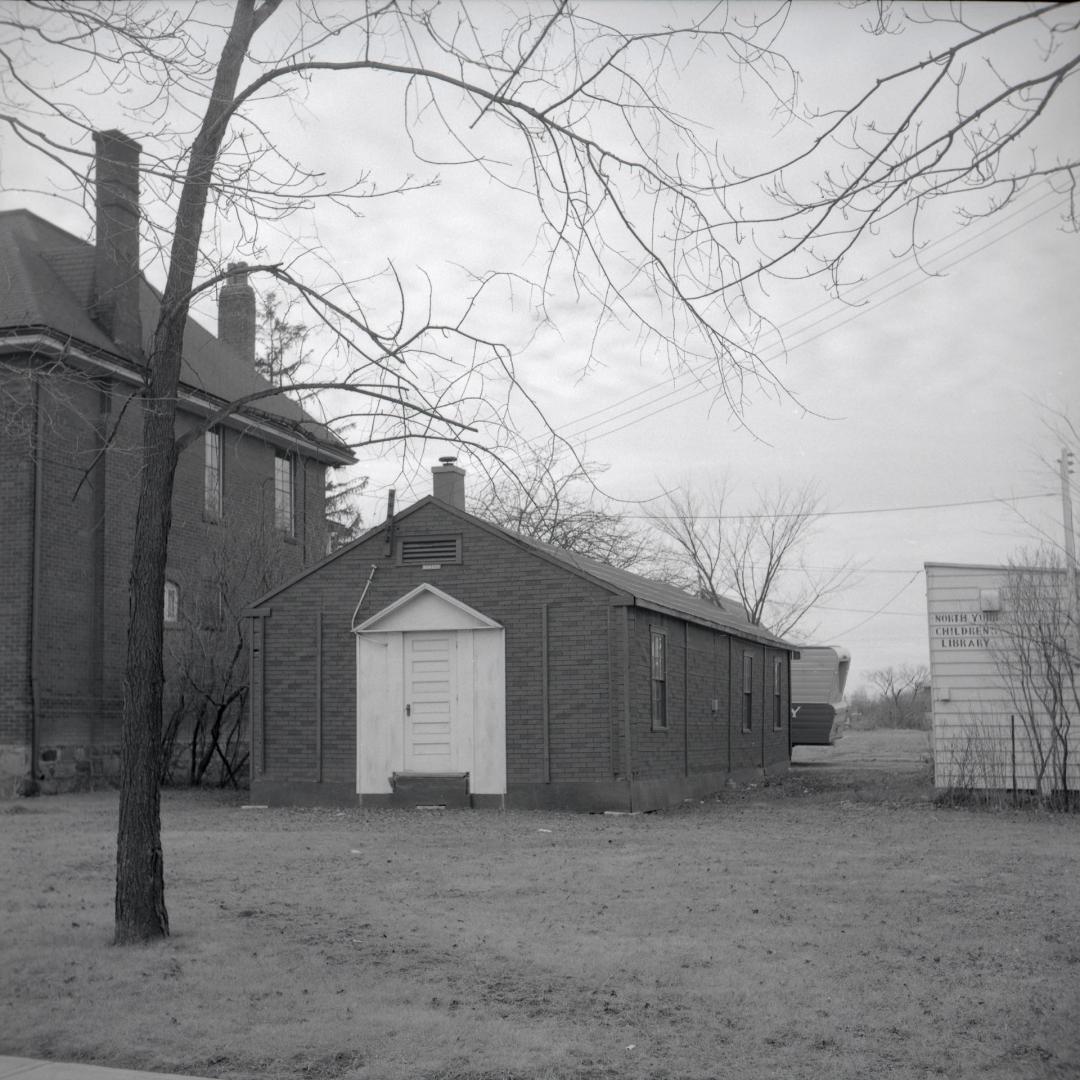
(46, 284)
(636, 590)
(644, 592)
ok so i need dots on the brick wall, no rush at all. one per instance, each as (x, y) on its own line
(310, 726)
(16, 541)
(500, 579)
(87, 528)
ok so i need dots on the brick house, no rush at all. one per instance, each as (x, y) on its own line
(74, 321)
(442, 659)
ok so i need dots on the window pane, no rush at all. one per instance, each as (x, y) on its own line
(658, 649)
(283, 493)
(212, 474)
(748, 692)
(778, 712)
(659, 659)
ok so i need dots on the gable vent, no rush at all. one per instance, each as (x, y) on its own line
(430, 549)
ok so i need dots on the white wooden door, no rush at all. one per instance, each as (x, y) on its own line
(430, 701)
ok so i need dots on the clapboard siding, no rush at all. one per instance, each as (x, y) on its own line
(980, 739)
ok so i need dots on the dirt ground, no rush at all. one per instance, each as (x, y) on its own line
(889, 749)
(834, 923)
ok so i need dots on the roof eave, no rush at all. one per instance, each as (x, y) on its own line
(43, 340)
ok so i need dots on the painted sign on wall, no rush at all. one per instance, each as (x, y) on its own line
(962, 629)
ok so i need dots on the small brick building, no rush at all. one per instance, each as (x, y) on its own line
(73, 323)
(441, 659)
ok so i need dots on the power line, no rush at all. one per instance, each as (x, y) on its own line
(701, 374)
(846, 513)
(872, 611)
(881, 610)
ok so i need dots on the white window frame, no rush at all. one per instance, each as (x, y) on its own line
(658, 678)
(778, 694)
(748, 692)
(212, 485)
(285, 494)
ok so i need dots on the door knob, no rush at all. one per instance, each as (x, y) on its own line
(408, 710)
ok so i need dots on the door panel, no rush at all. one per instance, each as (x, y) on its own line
(430, 701)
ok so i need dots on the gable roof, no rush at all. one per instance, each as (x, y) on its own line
(46, 285)
(633, 589)
(644, 592)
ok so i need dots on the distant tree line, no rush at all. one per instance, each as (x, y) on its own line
(897, 697)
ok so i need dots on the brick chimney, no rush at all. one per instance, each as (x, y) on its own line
(115, 302)
(448, 482)
(236, 313)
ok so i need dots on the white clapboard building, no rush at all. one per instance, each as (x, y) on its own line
(993, 728)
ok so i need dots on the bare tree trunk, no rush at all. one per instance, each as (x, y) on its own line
(140, 881)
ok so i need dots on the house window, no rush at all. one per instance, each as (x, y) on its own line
(659, 680)
(212, 476)
(212, 608)
(778, 697)
(284, 512)
(747, 692)
(172, 603)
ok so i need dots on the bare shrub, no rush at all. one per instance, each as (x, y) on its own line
(978, 770)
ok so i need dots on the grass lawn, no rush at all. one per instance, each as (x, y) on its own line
(833, 925)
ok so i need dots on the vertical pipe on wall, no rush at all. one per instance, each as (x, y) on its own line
(100, 517)
(318, 697)
(730, 682)
(257, 667)
(788, 680)
(764, 722)
(612, 675)
(35, 585)
(686, 697)
(545, 686)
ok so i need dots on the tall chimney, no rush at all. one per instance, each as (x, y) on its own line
(115, 303)
(236, 313)
(448, 482)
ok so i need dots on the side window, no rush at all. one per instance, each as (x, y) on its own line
(284, 504)
(658, 650)
(212, 475)
(778, 693)
(747, 692)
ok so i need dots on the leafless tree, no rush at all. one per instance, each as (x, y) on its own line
(636, 211)
(206, 654)
(903, 689)
(1036, 646)
(754, 558)
(557, 503)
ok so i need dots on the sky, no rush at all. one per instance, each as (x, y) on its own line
(921, 406)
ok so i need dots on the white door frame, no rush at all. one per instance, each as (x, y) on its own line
(480, 737)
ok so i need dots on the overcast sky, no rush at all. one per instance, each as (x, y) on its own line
(922, 406)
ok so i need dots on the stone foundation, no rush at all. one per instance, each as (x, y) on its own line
(76, 768)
